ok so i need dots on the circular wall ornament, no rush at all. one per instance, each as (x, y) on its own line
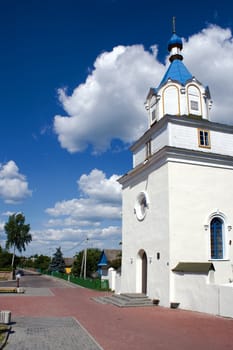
(141, 205)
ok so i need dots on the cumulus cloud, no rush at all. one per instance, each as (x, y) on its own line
(90, 215)
(209, 56)
(99, 203)
(94, 214)
(13, 185)
(98, 187)
(72, 240)
(85, 209)
(74, 235)
(110, 104)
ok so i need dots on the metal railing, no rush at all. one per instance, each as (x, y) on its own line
(96, 284)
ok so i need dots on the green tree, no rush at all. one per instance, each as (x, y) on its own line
(42, 262)
(5, 259)
(18, 235)
(116, 263)
(93, 256)
(57, 264)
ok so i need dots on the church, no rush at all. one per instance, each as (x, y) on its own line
(177, 209)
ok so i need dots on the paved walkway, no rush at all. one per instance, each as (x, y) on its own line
(113, 328)
(30, 333)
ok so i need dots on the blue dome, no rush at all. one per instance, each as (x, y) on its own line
(175, 41)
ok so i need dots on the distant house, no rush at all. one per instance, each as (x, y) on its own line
(68, 263)
(108, 258)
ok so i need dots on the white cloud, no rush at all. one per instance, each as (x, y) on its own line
(209, 57)
(98, 187)
(70, 221)
(2, 224)
(109, 105)
(101, 200)
(85, 209)
(95, 213)
(72, 240)
(13, 185)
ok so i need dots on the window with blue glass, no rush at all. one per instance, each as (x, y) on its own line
(216, 239)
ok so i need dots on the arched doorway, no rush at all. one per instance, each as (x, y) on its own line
(144, 273)
(141, 275)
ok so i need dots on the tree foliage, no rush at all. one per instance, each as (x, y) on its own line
(116, 264)
(57, 264)
(17, 232)
(36, 262)
(6, 259)
(93, 256)
(42, 262)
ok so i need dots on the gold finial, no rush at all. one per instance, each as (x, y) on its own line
(173, 24)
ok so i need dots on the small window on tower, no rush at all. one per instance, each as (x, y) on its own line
(153, 115)
(148, 149)
(204, 138)
(194, 105)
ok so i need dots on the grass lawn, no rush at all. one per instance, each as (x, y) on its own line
(3, 332)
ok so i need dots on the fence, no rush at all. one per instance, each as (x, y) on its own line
(96, 284)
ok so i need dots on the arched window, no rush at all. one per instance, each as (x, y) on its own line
(171, 100)
(216, 238)
(194, 98)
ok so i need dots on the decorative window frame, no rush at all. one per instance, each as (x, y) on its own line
(198, 99)
(171, 85)
(225, 228)
(141, 205)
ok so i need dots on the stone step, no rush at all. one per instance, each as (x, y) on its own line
(131, 300)
(126, 300)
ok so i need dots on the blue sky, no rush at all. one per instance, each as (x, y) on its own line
(74, 76)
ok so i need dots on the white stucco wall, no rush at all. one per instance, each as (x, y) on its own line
(182, 198)
(193, 293)
(187, 137)
(195, 193)
(226, 300)
(150, 235)
(158, 141)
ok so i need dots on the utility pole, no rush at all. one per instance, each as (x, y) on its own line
(81, 270)
(85, 261)
(85, 264)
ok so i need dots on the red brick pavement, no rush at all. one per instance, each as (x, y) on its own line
(116, 328)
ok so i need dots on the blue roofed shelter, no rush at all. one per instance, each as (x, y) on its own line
(106, 258)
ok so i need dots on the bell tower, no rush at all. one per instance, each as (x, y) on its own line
(177, 212)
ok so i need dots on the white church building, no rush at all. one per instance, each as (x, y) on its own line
(177, 236)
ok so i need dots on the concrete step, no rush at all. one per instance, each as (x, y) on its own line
(126, 300)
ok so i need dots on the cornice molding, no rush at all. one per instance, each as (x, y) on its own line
(179, 155)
